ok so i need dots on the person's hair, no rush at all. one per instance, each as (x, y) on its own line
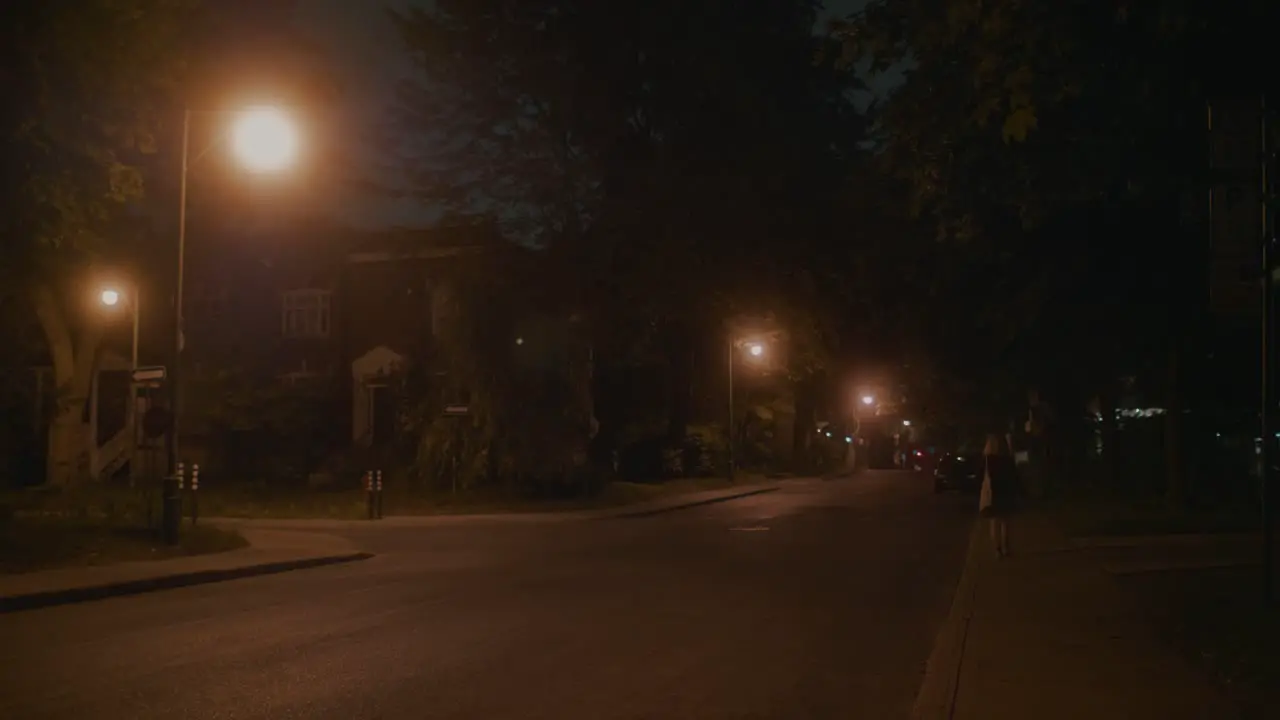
(995, 445)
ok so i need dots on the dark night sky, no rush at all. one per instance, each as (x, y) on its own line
(369, 62)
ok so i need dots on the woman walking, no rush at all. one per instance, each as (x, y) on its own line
(999, 491)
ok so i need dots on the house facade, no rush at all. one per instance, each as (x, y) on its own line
(329, 315)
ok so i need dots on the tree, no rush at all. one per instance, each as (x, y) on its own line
(87, 89)
(1053, 146)
(676, 160)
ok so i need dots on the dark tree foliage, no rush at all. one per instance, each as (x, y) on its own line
(677, 163)
(1056, 149)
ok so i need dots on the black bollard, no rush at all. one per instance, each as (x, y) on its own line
(368, 491)
(378, 489)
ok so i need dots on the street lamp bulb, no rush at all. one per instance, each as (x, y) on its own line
(906, 423)
(264, 140)
(756, 349)
(110, 298)
(868, 400)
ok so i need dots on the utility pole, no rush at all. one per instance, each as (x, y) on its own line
(1270, 488)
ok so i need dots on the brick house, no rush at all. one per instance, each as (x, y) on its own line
(318, 307)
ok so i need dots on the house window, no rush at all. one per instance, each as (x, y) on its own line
(307, 314)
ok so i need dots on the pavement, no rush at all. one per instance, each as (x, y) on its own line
(820, 599)
(284, 545)
(269, 551)
(1048, 634)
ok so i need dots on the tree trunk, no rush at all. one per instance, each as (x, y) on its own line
(73, 365)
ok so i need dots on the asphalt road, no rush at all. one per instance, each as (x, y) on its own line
(821, 600)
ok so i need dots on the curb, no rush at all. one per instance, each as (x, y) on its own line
(937, 695)
(53, 598)
(686, 505)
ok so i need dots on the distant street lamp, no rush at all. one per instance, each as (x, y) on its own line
(868, 400)
(906, 423)
(111, 298)
(755, 350)
(264, 140)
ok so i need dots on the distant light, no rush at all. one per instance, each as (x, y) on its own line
(519, 341)
(756, 349)
(906, 423)
(848, 439)
(868, 400)
(828, 434)
(109, 298)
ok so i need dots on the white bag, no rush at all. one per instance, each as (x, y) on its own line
(984, 498)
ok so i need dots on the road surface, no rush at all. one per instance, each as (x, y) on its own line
(821, 600)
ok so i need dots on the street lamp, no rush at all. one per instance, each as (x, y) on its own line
(264, 140)
(868, 400)
(111, 298)
(755, 350)
(906, 423)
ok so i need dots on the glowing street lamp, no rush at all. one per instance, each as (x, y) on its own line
(264, 139)
(906, 423)
(109, 297)
(755, 351)
(868, 400)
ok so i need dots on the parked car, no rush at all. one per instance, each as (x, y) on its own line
(958, 472)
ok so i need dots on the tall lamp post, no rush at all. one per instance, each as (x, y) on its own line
(1270, 495)
(755, 351)
(264, 140)
(111, 298)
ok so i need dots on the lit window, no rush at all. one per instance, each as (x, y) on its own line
(307, 314)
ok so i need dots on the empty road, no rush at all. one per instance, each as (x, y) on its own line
(821, 600)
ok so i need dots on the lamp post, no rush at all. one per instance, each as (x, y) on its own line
(264, 140)
(111, 297)
(755, 350)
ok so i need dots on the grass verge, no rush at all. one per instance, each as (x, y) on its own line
(1220, 622)
(27, 545)
(264, 503)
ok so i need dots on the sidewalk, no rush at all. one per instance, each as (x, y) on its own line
(1047, 634)
(269, 551)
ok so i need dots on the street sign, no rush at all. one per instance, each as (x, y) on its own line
(149, 374)
(456, 410)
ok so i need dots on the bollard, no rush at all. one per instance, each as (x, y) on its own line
(182, 471)
(195, 492)
(378, 489)
(368, 491)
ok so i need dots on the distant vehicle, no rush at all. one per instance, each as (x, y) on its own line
(958, 472)
(922, 459)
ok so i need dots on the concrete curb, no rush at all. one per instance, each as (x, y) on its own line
(686, 505)
(52, 598)
(937, 696)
